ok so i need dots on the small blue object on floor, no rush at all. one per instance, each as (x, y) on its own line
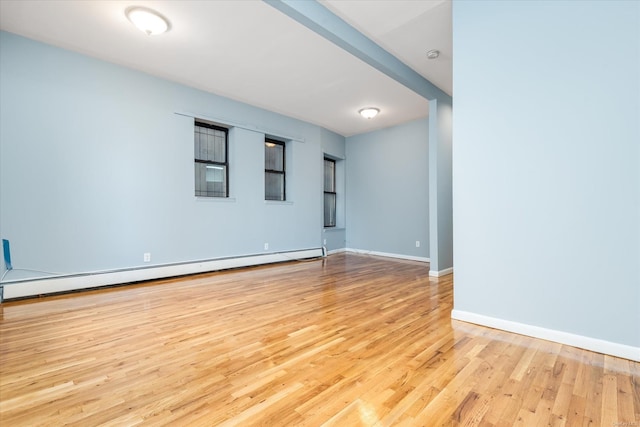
(7, 254)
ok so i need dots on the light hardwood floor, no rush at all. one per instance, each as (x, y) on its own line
(348, 340)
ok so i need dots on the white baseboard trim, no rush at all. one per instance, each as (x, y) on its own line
(336, 251)
(388, 255)
(441, 272)
(580, 341)
(47, 285)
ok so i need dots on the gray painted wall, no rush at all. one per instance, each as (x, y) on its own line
(388, 190)
(96, 168)
(546, 165)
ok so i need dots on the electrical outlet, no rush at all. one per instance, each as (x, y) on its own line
(325, 241)
(266, 246)
(417, 243)
(147, 257)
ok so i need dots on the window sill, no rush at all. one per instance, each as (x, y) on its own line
(334, 229)
(277, 202)
(200, 199)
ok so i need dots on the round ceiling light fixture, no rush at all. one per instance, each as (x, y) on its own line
(147, 20)
(433, 53)
(369, 112)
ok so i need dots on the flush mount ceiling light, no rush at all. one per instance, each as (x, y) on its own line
(433, 53)
(369, 112)
(147, 20)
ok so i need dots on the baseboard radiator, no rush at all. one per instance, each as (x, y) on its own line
(22, 288)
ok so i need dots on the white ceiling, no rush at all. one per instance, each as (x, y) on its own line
(251, 52)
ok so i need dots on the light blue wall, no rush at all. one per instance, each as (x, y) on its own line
(546, 164)
(440, 186)
(96, 168)
(388, 190)
(333, 146)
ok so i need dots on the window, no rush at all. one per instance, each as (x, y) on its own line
(329, 193)
(211, 160)
(274, 173)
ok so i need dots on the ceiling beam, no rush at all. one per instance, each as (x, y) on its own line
(322, 21)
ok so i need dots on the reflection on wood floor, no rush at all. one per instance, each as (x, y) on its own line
(348, 340)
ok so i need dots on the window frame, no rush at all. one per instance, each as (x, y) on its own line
(332, 193)
(225, 164)
(283, 172)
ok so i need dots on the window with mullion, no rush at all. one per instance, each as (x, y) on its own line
(274, 170)
(329, 193)
(211, 160)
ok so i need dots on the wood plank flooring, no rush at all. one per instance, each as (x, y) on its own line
(350, 340)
